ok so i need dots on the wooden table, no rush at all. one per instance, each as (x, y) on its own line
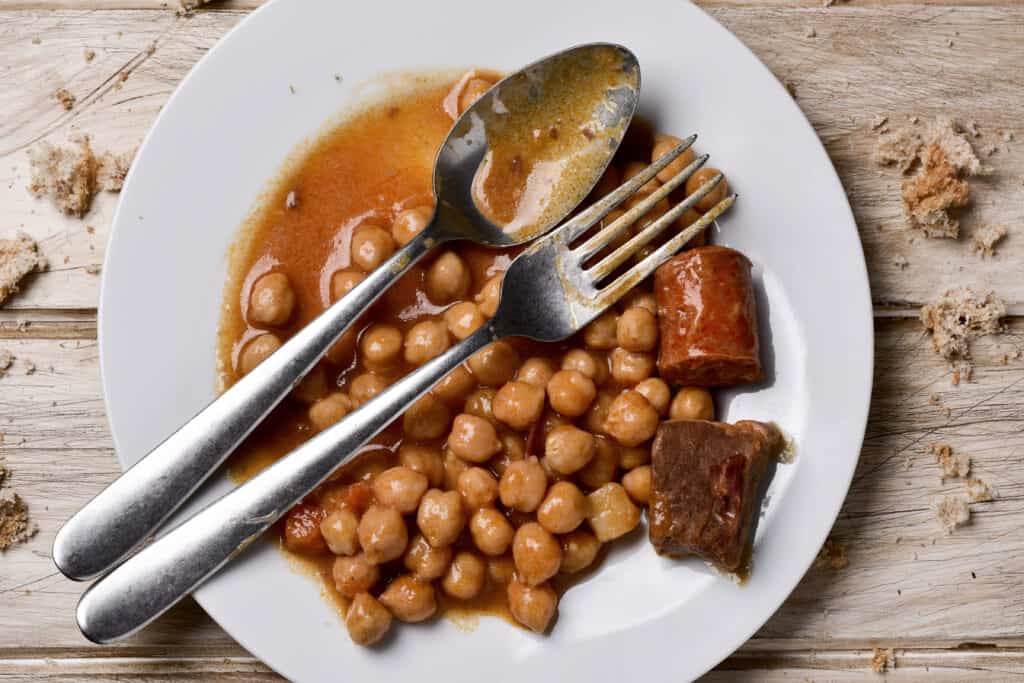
(951, 606)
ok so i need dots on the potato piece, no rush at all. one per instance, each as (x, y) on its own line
(611, 512)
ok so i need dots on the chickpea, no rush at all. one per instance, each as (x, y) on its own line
(523, 484)
(501, 570)
(441, 517)
(571, 392)
(532, 606)
(344, 281)
(563, 509)
(481, 403)
(657, 393)
(489, 296)
(257, 351)
(536, 371)
(340, 530)
(448, 279)
(692, 403)
(637, 483)
(463, 319)
(495, 364)
(354, 575)
(371, 246)
(518, 404)
(631, 419)
(478, 488)
(465, 576)
(472, 91)
(597, 413)
(427, 418)
(568, 449)
(663, 144)
(425, 561)
(635, 167)
(400, 488)
(587, 364)
(409, 223)
(537, 554)
(652, 214)
(473, 438)
(423, 459)
(689, 217)
(426, 340)
(579, 550)
(640, 298)
(454, 466)
(381, 346)
(364, 387)
(637, 330)
(455, 385)
(329, 410)
(602, 467)
(272, 300)
(491, 531)
(410, 599)
(633, 456)
(601, 332)
(631, 367)
(382, 534)
(611, 513)
(367, 620)
(708, 201)
(513, 447)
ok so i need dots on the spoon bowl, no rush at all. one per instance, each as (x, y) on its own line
(532, 147)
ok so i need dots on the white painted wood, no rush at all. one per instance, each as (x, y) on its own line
(863, 61)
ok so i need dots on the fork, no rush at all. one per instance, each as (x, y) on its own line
(549, 292)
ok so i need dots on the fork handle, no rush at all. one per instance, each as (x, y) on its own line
(162, 573)
(131, 508)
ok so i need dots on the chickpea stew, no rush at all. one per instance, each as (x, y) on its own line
(501, 486)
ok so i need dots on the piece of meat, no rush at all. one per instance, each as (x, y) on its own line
(708, 319)
(706, 480)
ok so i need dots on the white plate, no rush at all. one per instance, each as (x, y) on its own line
(226, 132)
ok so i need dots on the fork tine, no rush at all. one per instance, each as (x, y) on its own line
(625, 282)
(609, 233)
(575, 227)
(608, 264)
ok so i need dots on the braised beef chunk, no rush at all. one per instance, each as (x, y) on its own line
(705, 483)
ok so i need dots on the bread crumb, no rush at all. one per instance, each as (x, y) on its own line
(809, 32)
(187, 6)
(979, 491)
(19, 256)
(957, 317)
(66, 99)
(832, 555)
(951, 512)
(112, 169)
(71, 175)
(93, 268)
(89, 55)
(899, 148)
(950, 465)
(882, 659)
(929, 196)
(985, 238)
(6, 359)
(1008, 136)
(30, 367)
(15, 525)
(900, 262)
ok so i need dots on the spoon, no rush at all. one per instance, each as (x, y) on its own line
(514, 164)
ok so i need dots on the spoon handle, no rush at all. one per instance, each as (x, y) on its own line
(131, 508)
(158, 576)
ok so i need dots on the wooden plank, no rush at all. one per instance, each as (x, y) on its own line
(892, 60)
(907, 584)
(843, 665)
